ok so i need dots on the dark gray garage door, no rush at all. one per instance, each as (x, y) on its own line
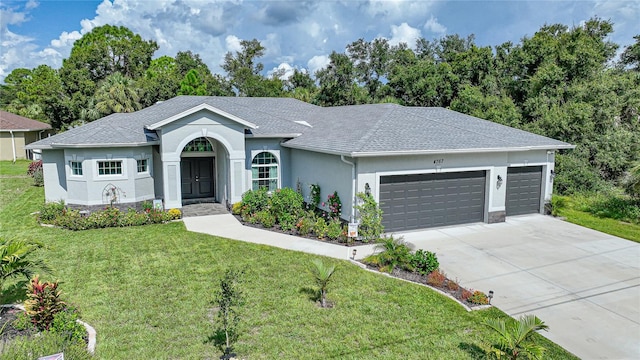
(523, 190)
(428, 200)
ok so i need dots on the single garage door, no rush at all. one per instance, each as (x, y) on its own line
(523, 190)
(427, 200)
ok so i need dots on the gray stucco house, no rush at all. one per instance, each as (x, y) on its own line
(425, 166)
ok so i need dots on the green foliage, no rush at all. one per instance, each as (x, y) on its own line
(254, 201)
(229, 298)
(18, 259)
(334, 229)
(478, 298)
(392, 253)
(320, 228)
(65, 324)
(50, 211)
(22, 322)
(370, 222)
(574, 175)
(424, 262)
(287, 222)
(516, 338)
(46, 343)
(35, 171)
(236, 208)
(611, 205)
(314, 196)
(322, 274)
(285, 201)
(306, 223)
(632, 183)
(43, 302)
(265, 218)
(557, 204)
(335, 205)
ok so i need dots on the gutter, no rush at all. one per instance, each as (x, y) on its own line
(353, 187)
(82, 146)
(13, 145)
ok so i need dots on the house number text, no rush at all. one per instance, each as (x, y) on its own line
(438, 161)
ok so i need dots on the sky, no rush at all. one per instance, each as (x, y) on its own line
(296, 34)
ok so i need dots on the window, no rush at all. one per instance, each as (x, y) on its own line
(143, 165)
(76, 168)
(110, 167)
(198, 145)
(264, 171)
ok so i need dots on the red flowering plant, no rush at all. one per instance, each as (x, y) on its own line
(335, 205)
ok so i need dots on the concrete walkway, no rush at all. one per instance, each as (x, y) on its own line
(226, 225)
(584, 284)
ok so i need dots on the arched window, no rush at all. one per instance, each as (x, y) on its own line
(264, 171)
(198, 145)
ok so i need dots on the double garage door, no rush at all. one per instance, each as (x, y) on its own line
(429, 200)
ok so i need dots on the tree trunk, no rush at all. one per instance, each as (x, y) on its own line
(323, 299)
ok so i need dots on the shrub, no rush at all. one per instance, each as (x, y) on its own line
(50, 211)
(175, 214)
(335, 205)
(285, 201)
(314, 196)
(229, 298)
(436, 278)
(65, 324)
(265, 218)
(615, 207)
(574, 174)
(236, 209)
(395, 252)
(334, 229)
(287, 222)
(320, 228)
(632, 181)
(22, 322)
(254, 201)
(370, 227)
(134, 218)
(557, 203)
(159, 216)
(478, 298)
(147, 206)
(72, 220)
(47, 343)
(109, 217)
(305, 223)
(465, 294)
(43, 302)
(453, 285)
(424, 262)
(35, 171)
(322, 275)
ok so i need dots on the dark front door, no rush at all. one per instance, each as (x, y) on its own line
(197, 177)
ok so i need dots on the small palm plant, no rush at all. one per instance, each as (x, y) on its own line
(17, 259)
(322, 274)
(515, 337)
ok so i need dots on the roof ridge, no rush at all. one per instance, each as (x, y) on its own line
(379, 122)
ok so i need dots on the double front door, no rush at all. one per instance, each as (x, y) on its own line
(197, 177)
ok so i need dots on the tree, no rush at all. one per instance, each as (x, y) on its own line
(192, 84)
(515, 338)
(371, 63)
(161, 81)
(228, 299)
(243, 71)
(631, 55)
(632, 184)
(338, 83)
(17, 259)
(117, 94)
(322, 275)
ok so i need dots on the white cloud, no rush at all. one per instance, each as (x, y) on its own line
(404, 34)
(31, 4)
(317, 62)
(66, 39)
(434, 26)
(233, 43)
(284, 69)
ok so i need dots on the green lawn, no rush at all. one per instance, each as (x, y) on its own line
(614, 227)
(147, 291)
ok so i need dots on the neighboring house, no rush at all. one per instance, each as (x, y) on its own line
(16, 132)
(425, 166)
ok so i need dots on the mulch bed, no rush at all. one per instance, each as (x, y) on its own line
(7, 317)
(276, 228)
(447, 286)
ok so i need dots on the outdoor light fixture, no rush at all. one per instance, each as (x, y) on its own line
(490, 296)
(354, 254)
(552, 174)
(367, 189)
(499, 183)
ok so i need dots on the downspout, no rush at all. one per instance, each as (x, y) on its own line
(13, 145)
(353, 187)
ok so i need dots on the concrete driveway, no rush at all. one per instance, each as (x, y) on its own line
(584, 284)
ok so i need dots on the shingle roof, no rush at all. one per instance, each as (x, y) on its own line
(359, 130)
(9, 121)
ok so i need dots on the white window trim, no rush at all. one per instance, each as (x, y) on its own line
(71, 174)
(97, 174)
(275, 153)
(147, 171)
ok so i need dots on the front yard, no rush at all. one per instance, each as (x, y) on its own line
(147, 290)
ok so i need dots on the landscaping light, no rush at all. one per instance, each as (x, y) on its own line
(490, 296)
(354, 254)
(499, 183)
